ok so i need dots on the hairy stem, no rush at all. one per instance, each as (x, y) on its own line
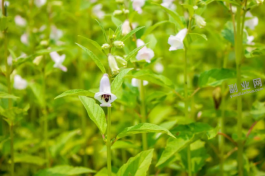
(109, 142)
(143, 112)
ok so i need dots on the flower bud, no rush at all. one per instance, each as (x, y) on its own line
(44, 43)
(105, 46)
(195, 7)
(117, 12)
(118, 44)
(113, 65)
(126, 11)
(121, 61)
(217, 97)
(37, 60)
(200, 21)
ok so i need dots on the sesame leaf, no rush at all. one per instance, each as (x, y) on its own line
(117, 82)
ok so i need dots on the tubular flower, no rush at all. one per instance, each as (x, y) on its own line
(104, 96)
(145, 53)
(20, 83)
(251, 23)
(137, 5)
(58, 61)
(176, 42)
(126, 27)
(200, 21)
(113, 65)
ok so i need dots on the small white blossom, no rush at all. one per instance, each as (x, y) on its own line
(104, 96)
(250, 40)
(113, 64)
(24, 38)
(176, 41)
(137, 5)
(200, 21)
(158, 67)
(58, 61)
(169, 4)
(40, 3)
(137, 82)
(259, 1)
(126, 27)
(20, 83)
(9, 60)
(145, 53)
(251, 23)
(56, 33)
(20, 21)
(195, 7)
(98, 12)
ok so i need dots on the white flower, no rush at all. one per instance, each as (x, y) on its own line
(158, 67)
(113, 64)
(24, 38)
(20, 83)
(169, 4)
(259, 1)
(250, 40)
(145, 53)
(251, 23)
(98, 12)
(126, 27)
(176, 42)
(9, 60)
(20, 21)
(137, 82)
(58, 60)
(104, 96)
(56, 33)
(195, 7)
(137, 5)
(200, 21)
(40, 3)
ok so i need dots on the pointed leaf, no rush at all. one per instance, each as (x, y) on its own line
(6, 95)
(94, 43)
(95, 113)
(76, 92)
(131, 33)
(117, 82)
(133, 53)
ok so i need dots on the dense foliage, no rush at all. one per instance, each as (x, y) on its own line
(132, 87)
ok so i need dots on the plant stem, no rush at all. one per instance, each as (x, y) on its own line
(109, 142)
(143, 113)
(189, 160)
(12, 148)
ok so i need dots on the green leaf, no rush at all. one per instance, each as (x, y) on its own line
(6, 95)
(94, 58)
(195, 36)
(143, 128)
(131, 33)
(13, 115)
(258, 111)
(228, 32)
(152, 28)
(215, 77)
(173, 146)
(64, 170)
(138, 165)
(103, 31)
(24, 158)
(37, 90)
(117, 82)
(116, 21)
(76, 92)
(95, 112)
(47, 51)
(173, 14)
(131, 55)
(94, 43)
(4, 21)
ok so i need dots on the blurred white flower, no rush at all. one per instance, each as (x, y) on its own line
(250, 40)
(137, 82)
(24, 38)
(158, 67)
(176, 41)
(200, 21)
(40, 3)
(137, 5)
(58, 61)
(9, 60)
(169, 4)
(145, 53)
(98, 12)
(195, 7)
(134, 25)
(251, 23)
(56, 33)
(113, 64)
(259, 1)
(37, 60)
(104, 96)
(126, 27)
(20, 21)
(20, 83)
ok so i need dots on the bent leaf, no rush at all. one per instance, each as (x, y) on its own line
(143, 128)
(76, 92)
(137, 165)
(94, 43)
(6, 95)
(95, 113)
(94, 58)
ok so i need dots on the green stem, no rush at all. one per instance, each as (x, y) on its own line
(143, 113)
(189, 160)
(109, 142)
(12, 148)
